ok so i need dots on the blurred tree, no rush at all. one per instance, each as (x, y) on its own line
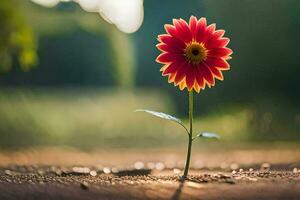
(65, 20)
(17, 38)
(265, 36)
(68, 17)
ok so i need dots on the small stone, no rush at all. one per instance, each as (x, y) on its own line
(8, 172)
(265, 166)
(176, 171)
(53, 169)
(81, 170)
(29, 169)
(40, 172)
(295, 170)
(251, 170)
(159, 166)
(241, 170)
(84, 185)
(93, 173)
(58, 172)
(233, 172)
(139, 165)
(106, 170)
(114, 170)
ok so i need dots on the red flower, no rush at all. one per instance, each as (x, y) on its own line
(193, 55)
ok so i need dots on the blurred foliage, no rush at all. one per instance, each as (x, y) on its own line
(89, 118)
(83, 118)
(115, 55)
(264, 37)
(16, 37)
(258, 101)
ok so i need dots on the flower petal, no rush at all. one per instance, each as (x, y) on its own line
(171, 41)
(218, 34)
(173, 67)
(167, 48)
(182, 85)
(170, 29)
(209, 32)
(190, 77)
(217, 73)
(193, 25)
(169, 57)
(208, 76)
(218, 43)
(181, 73)
(171, 78)
(217, 62)
(183, 30)
(200, 78)
(200, 30)
(164, 67)
(196, 87)
(220, 52)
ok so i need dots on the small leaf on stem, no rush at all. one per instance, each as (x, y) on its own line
(160, 114)
(208, 135)
(163, 116)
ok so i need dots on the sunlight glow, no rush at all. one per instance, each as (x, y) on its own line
(47, 3)
(126, 15)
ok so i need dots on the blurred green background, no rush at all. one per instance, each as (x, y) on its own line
(70, 78)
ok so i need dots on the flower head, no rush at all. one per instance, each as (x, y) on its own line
(193, 54)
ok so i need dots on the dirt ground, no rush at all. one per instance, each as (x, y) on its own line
(51, 173)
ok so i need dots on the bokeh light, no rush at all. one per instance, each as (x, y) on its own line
(126, 15)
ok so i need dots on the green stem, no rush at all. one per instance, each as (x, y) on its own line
(188, 158)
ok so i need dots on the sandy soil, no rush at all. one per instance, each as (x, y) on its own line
(43, 174)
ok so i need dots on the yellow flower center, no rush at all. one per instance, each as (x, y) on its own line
(195, 52)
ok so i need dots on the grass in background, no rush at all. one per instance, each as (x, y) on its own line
(87, 119)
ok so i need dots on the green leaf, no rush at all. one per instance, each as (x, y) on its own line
(209, 135)
(163, 116)
(160, 114)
